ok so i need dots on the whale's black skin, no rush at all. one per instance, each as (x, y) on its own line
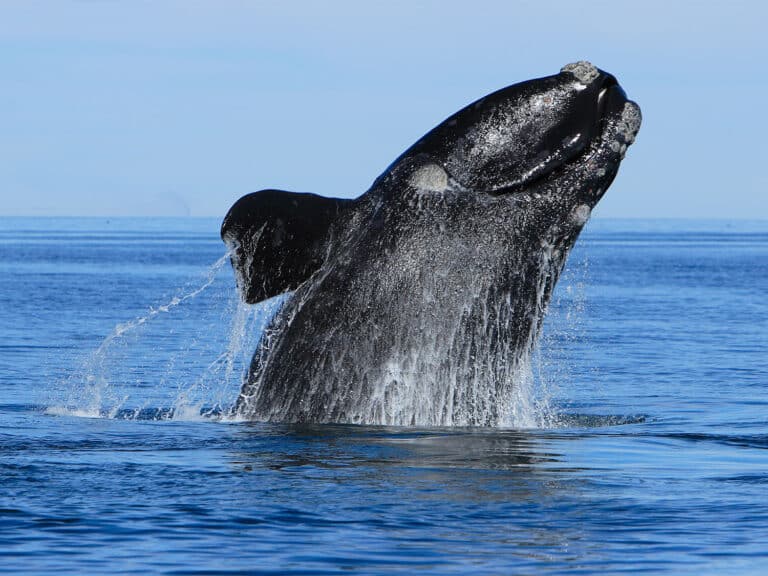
(420, 301)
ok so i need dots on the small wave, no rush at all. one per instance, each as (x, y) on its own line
(759, 441)
(75, 412)
(178, 414)
(597, 420)
(749, 479)
(202, 413)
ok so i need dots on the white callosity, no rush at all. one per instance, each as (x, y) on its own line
(584, 71)
(580, 214)
(626, 128)
(629, 124)
(429, 178)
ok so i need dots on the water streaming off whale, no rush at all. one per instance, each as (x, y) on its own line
(203, 336)
(203, 365)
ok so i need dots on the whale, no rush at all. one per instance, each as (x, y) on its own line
(420, 302)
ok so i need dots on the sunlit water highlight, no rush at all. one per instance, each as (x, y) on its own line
(653, 365)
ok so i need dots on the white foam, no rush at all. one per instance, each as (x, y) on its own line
(75, 412)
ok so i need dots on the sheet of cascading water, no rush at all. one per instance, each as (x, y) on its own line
(185, 358)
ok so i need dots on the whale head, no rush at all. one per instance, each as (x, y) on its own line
(563, 134)
(533, 158)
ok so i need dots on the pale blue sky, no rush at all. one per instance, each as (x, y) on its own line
(180, 107)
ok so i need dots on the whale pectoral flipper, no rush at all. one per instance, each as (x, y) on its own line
(276, 239)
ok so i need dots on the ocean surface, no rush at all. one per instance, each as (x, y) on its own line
(122, 346)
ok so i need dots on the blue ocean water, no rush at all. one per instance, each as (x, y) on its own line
(122, 344)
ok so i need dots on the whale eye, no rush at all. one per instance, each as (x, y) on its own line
(429, 178)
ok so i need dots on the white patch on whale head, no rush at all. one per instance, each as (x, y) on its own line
(429, 178)
(630, 121)
(580, 214)
(582, 70)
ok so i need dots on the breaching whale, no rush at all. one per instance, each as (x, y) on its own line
(419, 302)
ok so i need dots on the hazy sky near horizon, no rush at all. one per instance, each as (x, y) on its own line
(180, 107)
